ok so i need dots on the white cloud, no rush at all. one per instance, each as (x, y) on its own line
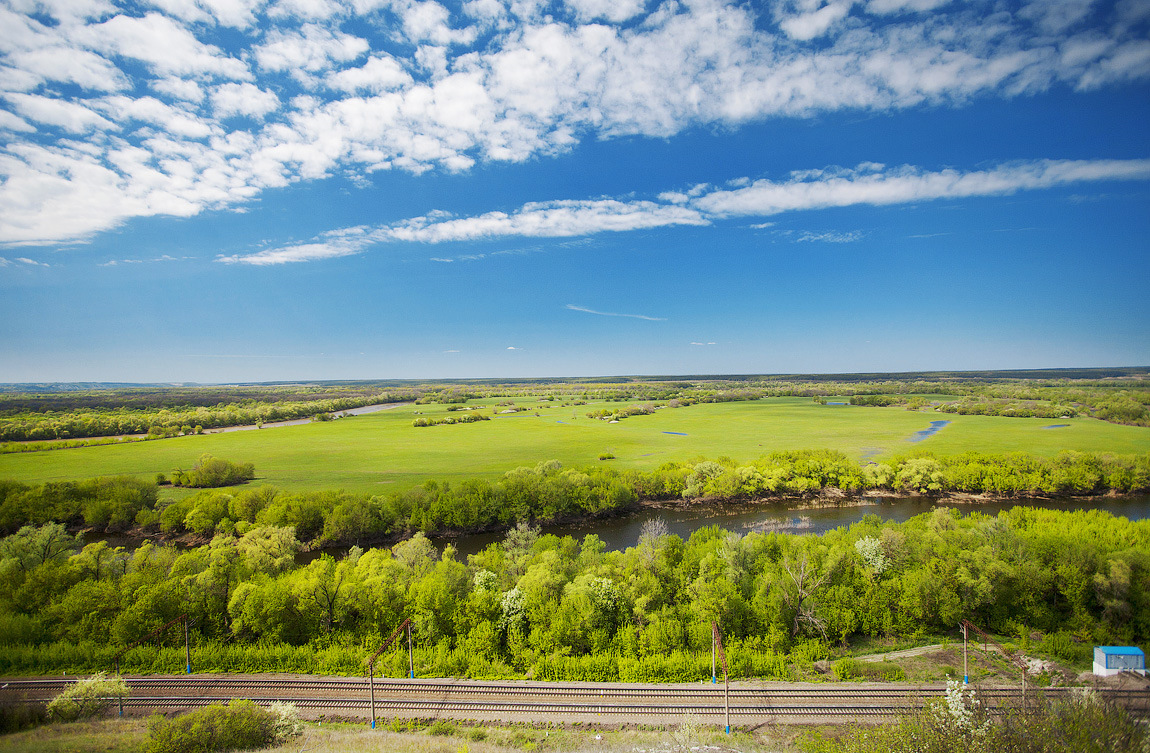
(586, 310)
(379, 74)
(154, 95)
(427, 21)
(164, 45)
(909, 184)
(71, 117)
(815, 23)
(329, 249)
(179, 88)
(616, 11)
(831, 236)
(312, 10)
(10, 122)
(808, 190)
(546, 220)
(148, 109)
(71, 66)
(243, 99)
(312, 48)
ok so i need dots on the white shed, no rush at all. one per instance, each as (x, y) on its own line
(1110, 660)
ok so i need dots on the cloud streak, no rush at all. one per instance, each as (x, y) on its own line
(586, 310)
(869, 184)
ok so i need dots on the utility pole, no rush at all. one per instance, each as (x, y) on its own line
(1010, 655)
(371, 683)
(410, 657)
(119, 698)
(717, 644)
(406, 624)
(965, 673)
(158, 634)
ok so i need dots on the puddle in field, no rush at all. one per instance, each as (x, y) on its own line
(935, 427)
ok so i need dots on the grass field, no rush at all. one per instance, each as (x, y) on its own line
(382, 451)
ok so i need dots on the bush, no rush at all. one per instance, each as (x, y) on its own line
(18, 716)
(853, 669)
(441, 727)
(241, 725)
(86, 698)
(210, 472)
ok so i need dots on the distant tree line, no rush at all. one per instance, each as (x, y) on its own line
(169, 421)
(1120, 396)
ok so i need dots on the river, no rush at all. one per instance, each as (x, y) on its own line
(790, 517)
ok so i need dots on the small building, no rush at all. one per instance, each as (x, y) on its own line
(1110, 660)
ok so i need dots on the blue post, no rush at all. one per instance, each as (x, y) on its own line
(189, 669)
(373, 724)
(728, 729)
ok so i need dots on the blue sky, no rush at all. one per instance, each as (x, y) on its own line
(242, 190)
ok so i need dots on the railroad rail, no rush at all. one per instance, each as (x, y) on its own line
(546, 701)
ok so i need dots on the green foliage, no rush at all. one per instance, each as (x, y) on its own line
(241, 725)
(111, 503)
(86, 698)
(441, 727)
(210, 472)
(569, 610)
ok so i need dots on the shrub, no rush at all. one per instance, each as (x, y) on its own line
(853, 669)
(18, 716)
(241, 725)
(441, 727)
(210, 472)
(86, 698)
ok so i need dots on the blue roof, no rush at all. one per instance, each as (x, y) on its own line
(1133, 650)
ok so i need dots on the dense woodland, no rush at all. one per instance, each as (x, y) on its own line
(53, 413)
(561, 608)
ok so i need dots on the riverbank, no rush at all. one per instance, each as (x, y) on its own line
(619, 529)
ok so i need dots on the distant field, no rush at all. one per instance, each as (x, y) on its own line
(382, 451)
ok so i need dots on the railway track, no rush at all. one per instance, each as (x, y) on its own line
(544, 701)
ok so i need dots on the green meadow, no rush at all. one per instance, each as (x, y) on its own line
(382, 451)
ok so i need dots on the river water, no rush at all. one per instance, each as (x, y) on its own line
(789, 517)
